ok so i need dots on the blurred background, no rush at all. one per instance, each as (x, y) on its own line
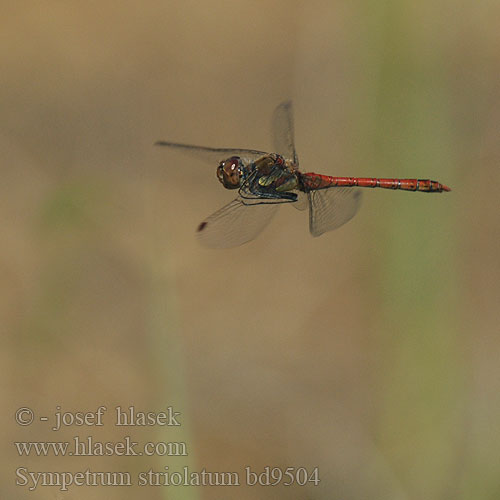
(370, 352)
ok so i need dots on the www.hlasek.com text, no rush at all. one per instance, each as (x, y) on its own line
(90, 447)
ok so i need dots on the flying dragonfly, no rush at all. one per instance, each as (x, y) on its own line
(264, 181)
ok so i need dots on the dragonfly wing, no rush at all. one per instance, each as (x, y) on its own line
(213, 155)
(283, 131)
(235, 224)
(302, 201)
(331, 207)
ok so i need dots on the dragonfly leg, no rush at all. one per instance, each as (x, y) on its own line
(269, 198)
(275, 201)
(252, 191)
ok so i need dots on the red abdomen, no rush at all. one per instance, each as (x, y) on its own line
(311, 181)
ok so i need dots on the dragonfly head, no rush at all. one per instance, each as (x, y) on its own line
(229, 172)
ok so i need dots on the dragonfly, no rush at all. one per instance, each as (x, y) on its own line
(264, 181)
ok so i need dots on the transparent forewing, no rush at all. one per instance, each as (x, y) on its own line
(283, 132)
(213, 155)
(331, 207)
(235, 224)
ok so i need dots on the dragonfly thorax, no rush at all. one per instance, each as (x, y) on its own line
(229, 172)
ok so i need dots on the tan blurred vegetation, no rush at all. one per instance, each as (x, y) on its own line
(371, 352)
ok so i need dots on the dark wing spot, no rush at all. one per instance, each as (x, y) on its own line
(202, 226)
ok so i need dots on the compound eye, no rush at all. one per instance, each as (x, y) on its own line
(228, 172)
(231, 164)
